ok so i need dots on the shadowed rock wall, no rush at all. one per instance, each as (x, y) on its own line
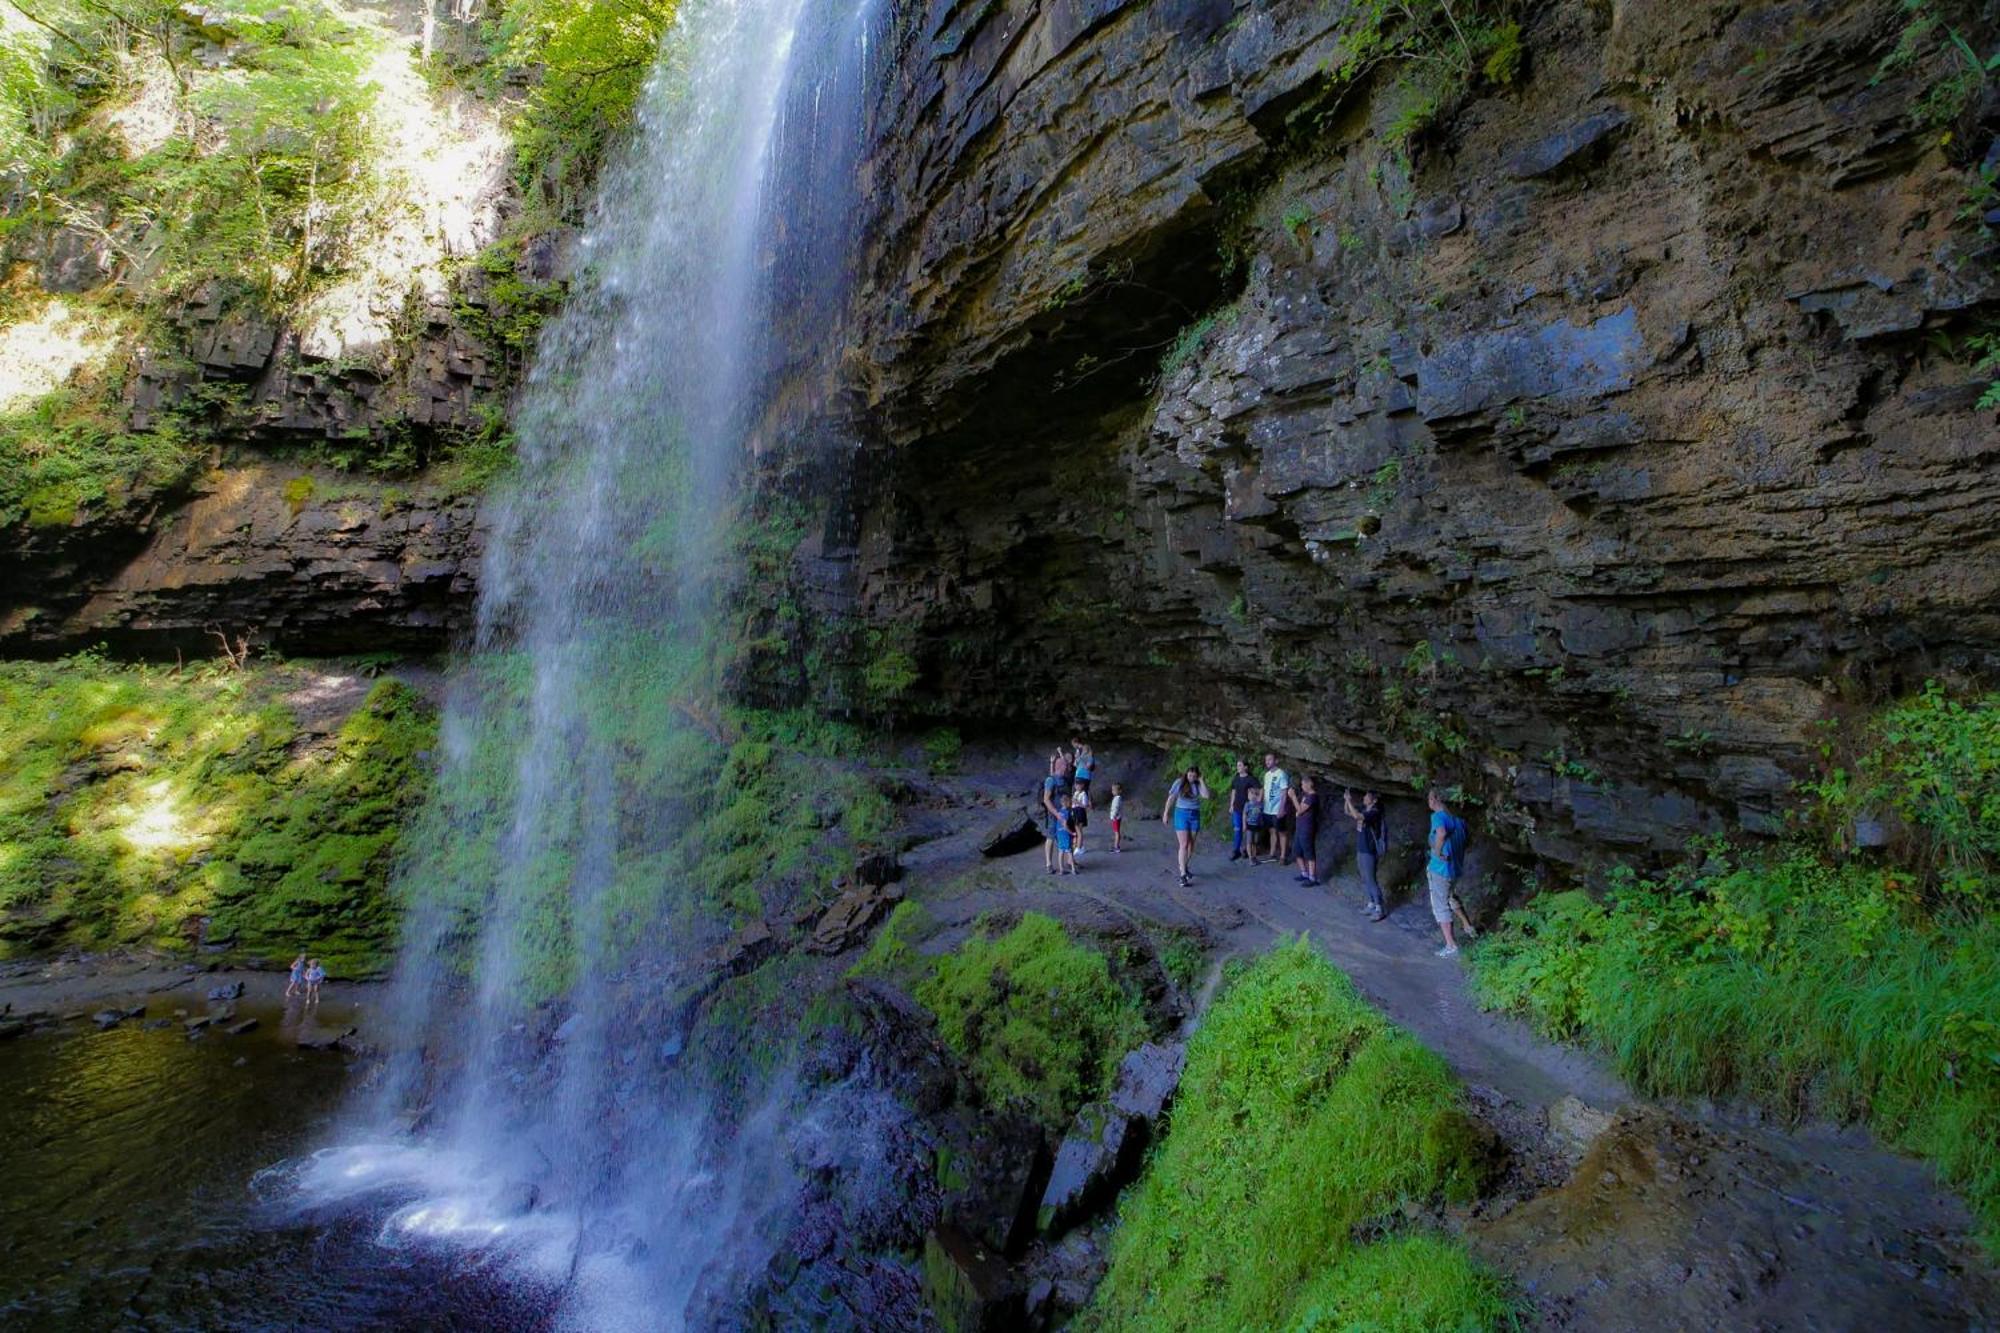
(1587, 464)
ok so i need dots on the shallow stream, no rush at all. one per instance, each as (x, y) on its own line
(145, 1182)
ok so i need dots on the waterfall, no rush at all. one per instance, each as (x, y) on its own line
(554, 1137)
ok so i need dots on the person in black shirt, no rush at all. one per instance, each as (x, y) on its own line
(1242, 789)
(1370, 841)
(1305, 829)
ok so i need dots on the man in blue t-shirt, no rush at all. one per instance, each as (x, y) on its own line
(1447, 847)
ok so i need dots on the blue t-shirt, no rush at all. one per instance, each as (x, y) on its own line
(1441, 819)
(1052, 790)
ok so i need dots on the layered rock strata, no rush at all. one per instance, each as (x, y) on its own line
(1586, 459)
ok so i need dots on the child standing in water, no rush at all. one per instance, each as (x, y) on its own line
(298, 976)
(1117, 820)
(315, 974)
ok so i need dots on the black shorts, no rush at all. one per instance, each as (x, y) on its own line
(1302, 842)
(1285, 822)
(1082, 818)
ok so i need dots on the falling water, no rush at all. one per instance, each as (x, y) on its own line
(546, 893)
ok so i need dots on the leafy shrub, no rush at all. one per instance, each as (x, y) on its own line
(265, 174)
(1438, 50)
(1933, 761)
(594, 57)
(1038, 1018)
(1815, 985)
(942, 748)
(1302, 1114)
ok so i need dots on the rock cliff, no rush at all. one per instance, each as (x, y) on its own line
(1586, 456)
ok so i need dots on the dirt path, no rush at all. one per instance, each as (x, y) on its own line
(1619, 1213)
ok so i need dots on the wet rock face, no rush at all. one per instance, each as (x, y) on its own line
(1587, 465)
(303, 560)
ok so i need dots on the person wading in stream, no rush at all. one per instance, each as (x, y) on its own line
(1183, 811)
(1276, 784)
(1370, 841)
(298, 976)
(1242, 789)
(1447, 847)
(1305, 830)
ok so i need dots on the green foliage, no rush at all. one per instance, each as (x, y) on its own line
(1816, 985)
(1985, 349)
(892, 953)
(1303, 1115)
(1405, 1284)
(942, 749)
(1189, 342)
(68, 451)
(1929, 41)
(265, 174)
(891, 669)
(1933, 763)
(1037, 1017)
(136, 800)
(1183, 958)
(593, 57)
(1438, 50)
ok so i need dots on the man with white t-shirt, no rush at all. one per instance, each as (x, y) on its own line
(1276, 826)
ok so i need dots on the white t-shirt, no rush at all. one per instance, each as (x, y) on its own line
(1117, 804)
(1275, 783)
(1080, 800)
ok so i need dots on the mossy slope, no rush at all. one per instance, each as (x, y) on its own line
(1303, 1116)
(137, 801)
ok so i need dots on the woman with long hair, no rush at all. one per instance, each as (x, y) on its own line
(1183, 812)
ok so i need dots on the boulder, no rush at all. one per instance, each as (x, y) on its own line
(198, 1025)
(848, 919)
(1011, 836)
(107, 1019)
(232, 990)
(1107, 1141)
(878, 868)
(969, 1288)
(1574, 1125)
(323, 1039)
(241, 1027)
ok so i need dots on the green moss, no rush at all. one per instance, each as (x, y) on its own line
(1037, 1017)
(1302, 1115)
(137, 800)
(298, 491)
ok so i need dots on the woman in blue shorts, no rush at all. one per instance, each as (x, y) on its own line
(1183, 811)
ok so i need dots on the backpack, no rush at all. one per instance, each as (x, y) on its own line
(1456, 836)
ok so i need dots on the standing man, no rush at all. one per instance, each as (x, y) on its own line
(1276, 783)
(1242, 792)
(1447, 845)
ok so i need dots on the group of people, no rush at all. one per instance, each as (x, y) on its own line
(306, 979)
(1271, 819)
(1066, 805)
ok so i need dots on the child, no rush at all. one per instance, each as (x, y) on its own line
(315, 974)
(1079, 809)
(1066, 842)
(1117, 823)
(298, 976)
